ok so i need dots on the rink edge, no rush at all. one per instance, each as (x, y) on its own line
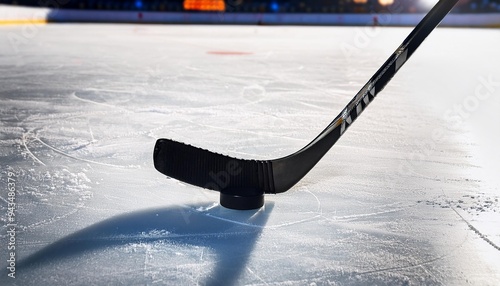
(18, 15)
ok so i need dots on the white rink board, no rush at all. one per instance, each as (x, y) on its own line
(60, 14)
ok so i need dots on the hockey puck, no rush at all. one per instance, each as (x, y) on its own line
(236, 202)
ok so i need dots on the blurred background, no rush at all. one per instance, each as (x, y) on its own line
(467, 13)
(264, 6)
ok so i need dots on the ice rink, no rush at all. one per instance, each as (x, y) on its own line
(408, 196)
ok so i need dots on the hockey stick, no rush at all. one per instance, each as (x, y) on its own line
(243, 183)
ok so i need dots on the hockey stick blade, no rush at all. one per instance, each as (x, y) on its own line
(243, 183)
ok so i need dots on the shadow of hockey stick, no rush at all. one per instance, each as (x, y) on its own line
(231, 234)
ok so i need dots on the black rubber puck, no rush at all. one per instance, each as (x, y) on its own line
(236, 202)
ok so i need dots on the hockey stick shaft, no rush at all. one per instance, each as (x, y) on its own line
(307, 157)
(391, 66)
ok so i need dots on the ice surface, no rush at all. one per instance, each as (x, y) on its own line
(408, 196)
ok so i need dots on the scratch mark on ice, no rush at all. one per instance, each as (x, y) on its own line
(233, 221)
(99, 103)
(358, 216)
(24, 140)
(91, 135)
(404, 267)
(474, 229)
(257, 276)
(4, 200)
(81, 159)
(481, 235)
